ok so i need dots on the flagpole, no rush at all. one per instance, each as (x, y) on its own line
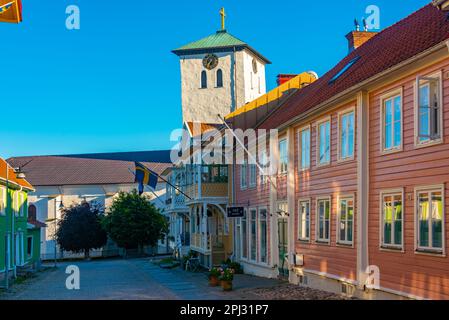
(247, 151)
(167, 182)
(154, 193)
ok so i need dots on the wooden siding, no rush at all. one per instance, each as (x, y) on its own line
(337, 179)
(406, 271)
(255, 197)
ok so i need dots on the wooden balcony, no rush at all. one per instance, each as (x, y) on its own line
(206, 190)
(176, 202)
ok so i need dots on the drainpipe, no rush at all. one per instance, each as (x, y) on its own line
(362, 187)
(7, 251)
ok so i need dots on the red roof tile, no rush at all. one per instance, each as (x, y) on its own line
(65, 170)
(418, 32)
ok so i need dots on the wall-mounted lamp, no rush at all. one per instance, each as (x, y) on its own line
(19, 173)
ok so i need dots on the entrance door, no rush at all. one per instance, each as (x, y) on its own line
(283, 240)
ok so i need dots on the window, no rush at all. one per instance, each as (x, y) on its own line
(244, 237)
(392, 220)
(304, 220)
(22, 204)
(304, 149)
(252, 175)
(219, 78)
(430, 220)
(15, 202)
(345, 220)
(203, 80)
(392, 123)
(323, 220)
(253, 234)
(324, 143)
(283, 156)
(243, 174)
(32, 212)
(263, 236)
(2, 201)
(344, 69)
(429, 111)
(30, 247)
(346, 129)
(265, 165)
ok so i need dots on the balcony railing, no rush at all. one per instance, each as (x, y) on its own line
(201, 242)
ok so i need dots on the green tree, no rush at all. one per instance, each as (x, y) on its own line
(80, 229)
(133, 221)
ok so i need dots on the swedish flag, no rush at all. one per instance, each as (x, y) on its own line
(11, 11)
(145, 177)
(6, 6)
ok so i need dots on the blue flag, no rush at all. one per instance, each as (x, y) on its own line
(145, 177)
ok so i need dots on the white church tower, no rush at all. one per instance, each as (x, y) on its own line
(219, 73)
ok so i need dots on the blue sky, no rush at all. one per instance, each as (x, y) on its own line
(114, 85)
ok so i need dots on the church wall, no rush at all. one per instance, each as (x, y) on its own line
(204, 104)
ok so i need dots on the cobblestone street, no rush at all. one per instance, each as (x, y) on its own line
(140, 279)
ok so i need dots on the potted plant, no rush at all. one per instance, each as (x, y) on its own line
(214, 275)
(226, 277)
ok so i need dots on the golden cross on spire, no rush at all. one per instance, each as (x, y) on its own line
(223, 18)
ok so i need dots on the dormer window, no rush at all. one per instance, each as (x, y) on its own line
(345, 68)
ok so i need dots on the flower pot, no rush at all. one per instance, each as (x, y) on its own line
(226, 285)
(213, 281)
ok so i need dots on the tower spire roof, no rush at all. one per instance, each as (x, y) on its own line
(221, 41)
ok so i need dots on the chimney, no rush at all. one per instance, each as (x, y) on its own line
(357, 38)
(441, 4)
(283, 78)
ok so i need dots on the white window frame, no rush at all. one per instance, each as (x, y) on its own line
(242, 240)
(390, 193)
(244, 175)
(259, 237)
(300, 147)
(263, 161)
(318, 141)
(300, 201)
(317, 217)
(347, 197)
(430, 250)
(252, 175)
(250, 243)
(391, 95)
(15, 202)
(439, 77)
(22, 204)
(281, 170)
(341, 114)
(3, 200)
